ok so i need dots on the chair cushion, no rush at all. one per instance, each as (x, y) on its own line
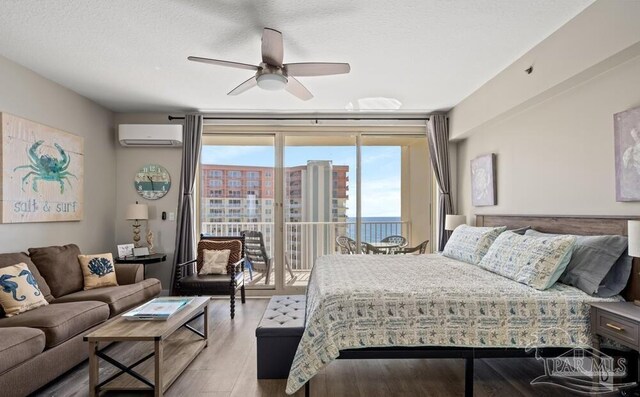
(60, 321)
(234, 246)
(209, 284)
(60, 267)
(18, 344)
(119, 298)
(21, 257)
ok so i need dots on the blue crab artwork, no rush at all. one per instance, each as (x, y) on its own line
(100, 266)
(45, 167)
(10, 287)
(30, 280)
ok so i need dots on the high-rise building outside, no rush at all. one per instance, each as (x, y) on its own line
(234, 197)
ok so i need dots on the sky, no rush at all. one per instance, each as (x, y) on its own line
(380, 170)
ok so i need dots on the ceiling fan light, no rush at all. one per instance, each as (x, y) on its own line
(272, 81)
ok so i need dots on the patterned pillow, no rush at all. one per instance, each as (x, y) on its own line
(98, 271)
(470, 244)
(535, 261)
(215, 262)
(19, 290)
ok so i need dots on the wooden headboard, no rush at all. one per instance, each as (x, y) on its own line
(582, 225)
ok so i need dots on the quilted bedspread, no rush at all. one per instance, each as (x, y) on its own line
(359, 301)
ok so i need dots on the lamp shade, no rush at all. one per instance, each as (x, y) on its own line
(137, 211)
(634, 238)
(453, 221)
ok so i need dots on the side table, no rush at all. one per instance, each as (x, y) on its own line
(144, 260)
(620, 322)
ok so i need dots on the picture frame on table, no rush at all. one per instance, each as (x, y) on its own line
(125, 250)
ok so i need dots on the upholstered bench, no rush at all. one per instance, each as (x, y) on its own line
(278, 335)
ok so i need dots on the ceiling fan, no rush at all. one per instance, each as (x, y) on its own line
(272, 74)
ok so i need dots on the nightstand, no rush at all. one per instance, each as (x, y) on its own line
(620, 322)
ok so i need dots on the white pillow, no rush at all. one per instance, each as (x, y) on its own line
(535, 261)
(215, 261)
(469, 244)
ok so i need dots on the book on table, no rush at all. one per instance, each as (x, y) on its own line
(158, 309)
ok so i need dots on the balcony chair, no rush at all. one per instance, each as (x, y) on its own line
(189, 282)
(346, 245)
(255, 255)
(420, 249)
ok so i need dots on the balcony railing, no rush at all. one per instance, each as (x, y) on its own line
(305, 241)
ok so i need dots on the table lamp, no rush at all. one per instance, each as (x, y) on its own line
(453, 221)
(137, 212)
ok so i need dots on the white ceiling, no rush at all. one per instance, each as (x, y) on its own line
(131, 55)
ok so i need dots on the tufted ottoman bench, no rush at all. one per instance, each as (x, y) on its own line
(278, 335)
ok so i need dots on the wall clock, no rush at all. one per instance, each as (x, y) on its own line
(152, 181)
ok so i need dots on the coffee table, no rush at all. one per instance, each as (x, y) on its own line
(176, 344)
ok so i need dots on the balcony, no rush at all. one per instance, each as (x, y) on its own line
(305, 241)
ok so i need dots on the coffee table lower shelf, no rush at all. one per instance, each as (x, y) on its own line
(175, 345)
(178, 354)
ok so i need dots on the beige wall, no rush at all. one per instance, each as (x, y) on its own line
(557, 157)
(602, 36)
(129, 161)
(28, 95)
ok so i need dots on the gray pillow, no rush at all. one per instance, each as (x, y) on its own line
(521, 230)
(599, 265)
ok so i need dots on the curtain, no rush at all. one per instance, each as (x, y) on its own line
(438, 140)
(185, 228)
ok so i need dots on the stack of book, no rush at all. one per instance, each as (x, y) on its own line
(158, 309)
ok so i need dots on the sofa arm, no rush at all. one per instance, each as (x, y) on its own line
(129, 273)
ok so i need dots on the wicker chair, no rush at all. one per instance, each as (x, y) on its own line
(189, 282)
(346, 245)
(420, 249)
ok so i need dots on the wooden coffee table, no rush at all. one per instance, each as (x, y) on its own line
(176, 344)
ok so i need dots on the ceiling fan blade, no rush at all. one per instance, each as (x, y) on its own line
(296, 88)
(316, 68)
(249, 83)
(272, 48)
(218, 62)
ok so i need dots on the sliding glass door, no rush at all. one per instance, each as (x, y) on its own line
(237, 194)
(318, 201)
(303, 191)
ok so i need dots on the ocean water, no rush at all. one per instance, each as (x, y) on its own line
(375, 229)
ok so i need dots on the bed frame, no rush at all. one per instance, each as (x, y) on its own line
(581, 225)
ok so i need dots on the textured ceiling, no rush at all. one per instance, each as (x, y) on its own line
(131, 55)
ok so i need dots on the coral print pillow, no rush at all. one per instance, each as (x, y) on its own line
(19, 291)
(98, 271)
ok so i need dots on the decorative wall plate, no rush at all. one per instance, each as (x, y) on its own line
(152, 181)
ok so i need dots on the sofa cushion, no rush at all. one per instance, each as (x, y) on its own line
(98, 271)
(19, 290)
(119, 298)
(60, 267)
(18, 344)
(20, 257)
(61, 321)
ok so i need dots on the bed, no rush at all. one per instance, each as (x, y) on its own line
(429, 306)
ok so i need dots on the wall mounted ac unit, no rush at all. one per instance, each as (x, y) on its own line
(150, 135)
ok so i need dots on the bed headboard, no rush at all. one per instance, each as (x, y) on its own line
(584, 225)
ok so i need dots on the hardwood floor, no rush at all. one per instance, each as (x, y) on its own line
(227, 368)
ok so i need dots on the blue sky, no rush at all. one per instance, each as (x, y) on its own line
(380, 170)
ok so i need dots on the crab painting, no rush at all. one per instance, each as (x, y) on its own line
(45, 167)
